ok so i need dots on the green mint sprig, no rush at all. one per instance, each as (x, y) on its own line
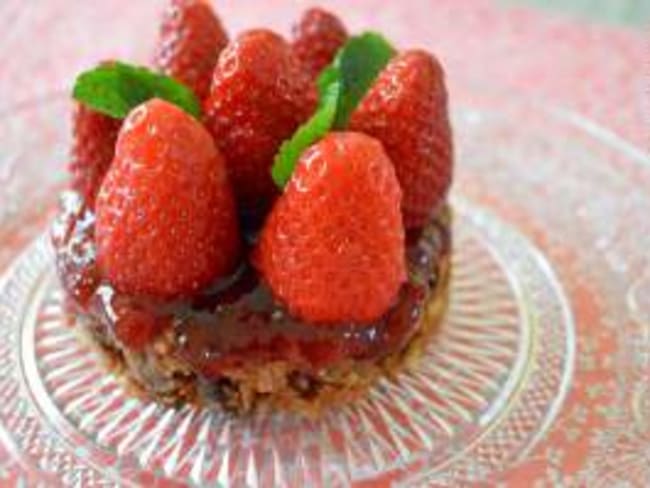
(115, 88)
(357, 66)
(315, 128)
(341, 87)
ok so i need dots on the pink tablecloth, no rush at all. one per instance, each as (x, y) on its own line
(599, 72)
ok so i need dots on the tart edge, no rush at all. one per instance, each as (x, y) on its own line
(275, 385)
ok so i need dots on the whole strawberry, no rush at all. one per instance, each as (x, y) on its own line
(406, 109)
(166, 221)
(260, 94)
(332, 248)
(191, 38)
(93, 147)
(316, 39)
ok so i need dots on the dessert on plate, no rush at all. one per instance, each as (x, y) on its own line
(255, 222)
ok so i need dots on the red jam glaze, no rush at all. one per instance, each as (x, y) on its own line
(236, 321)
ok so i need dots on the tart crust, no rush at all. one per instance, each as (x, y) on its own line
(157, 373)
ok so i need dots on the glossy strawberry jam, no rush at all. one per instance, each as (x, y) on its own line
(236, 321)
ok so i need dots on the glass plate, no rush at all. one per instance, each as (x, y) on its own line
(543, 350)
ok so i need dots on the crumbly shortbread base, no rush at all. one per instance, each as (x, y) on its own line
(157, 374)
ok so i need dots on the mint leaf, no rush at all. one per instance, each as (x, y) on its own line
(328, 76)
(314, 129)
(359, 62)
(341, 86)
(116, 88)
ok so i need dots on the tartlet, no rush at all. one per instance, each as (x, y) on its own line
(220, 259)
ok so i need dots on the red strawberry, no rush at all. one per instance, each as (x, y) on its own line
(260, 94)
(332, 248)
(93, 146)
(316, 39)
(136, 327)
(166, 221)
(406, 109)
(191, 38)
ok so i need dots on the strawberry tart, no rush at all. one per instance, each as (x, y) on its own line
(255, 222)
